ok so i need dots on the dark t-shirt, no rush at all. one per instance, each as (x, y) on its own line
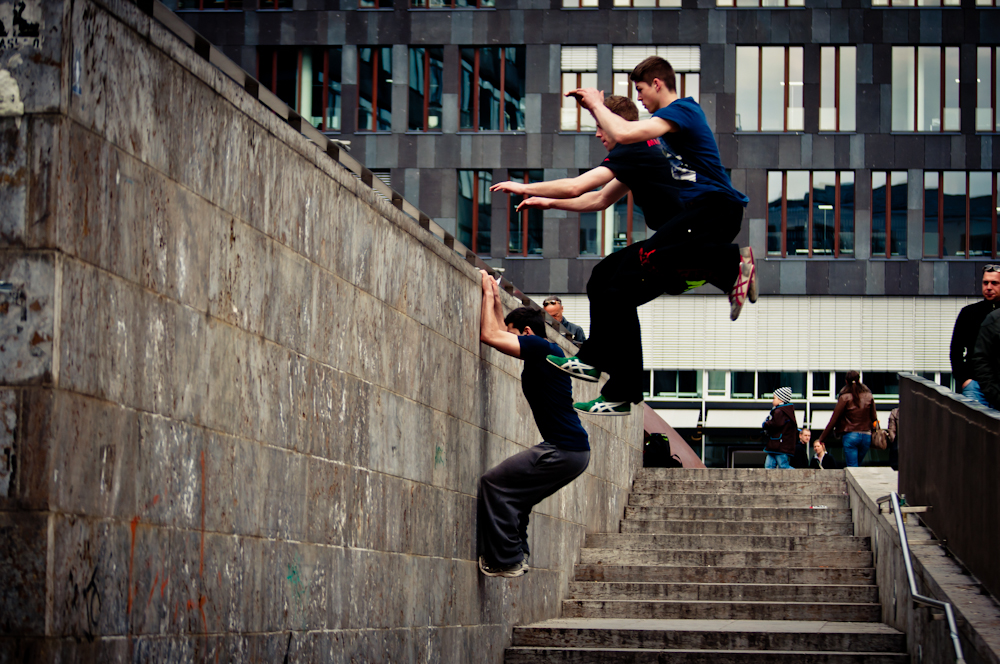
(644, 169)
(549, 392)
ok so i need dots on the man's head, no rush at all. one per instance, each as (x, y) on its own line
(819, 449)
(524, 321)
(653, 77)
(554, 306)
(618, 105)
(991, 282)
(805, 435)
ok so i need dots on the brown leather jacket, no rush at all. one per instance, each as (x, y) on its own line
(850, 417)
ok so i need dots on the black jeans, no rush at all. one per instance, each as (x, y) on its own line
(695, 245)
(508, 491)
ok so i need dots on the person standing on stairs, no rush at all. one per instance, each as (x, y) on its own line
(508, 491)
(782, 430)
(855, 418)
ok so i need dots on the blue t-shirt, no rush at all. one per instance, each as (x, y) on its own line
(549, 392)
(696, 168)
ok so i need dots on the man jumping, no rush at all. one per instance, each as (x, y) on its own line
(509, 491)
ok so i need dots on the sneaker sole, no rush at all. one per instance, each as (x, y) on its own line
(753, 291)
(606, 413)
(584, 377)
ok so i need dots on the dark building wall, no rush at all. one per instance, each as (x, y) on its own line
(422, 164)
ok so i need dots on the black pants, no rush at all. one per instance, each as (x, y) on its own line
(695, 245)
(508, 491)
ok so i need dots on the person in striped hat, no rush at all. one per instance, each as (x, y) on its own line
(782, 430)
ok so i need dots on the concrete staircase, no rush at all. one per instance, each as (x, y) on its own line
(722, 566)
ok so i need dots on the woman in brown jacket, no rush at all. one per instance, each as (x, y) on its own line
(854, 418)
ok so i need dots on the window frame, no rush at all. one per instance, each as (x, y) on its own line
(918, 4)
(838, 85)
(994, 75)
(427, 88)
(452, 5)
(475, 88)
(995, 175)
(837, 209)
(278, 5)
(523, 214)
(474, 232)
(684, 75)
(786, 84)
(914, 99)
(297, 106)
(660, 4)
(888, 212)
(734, 4)
(578, 72)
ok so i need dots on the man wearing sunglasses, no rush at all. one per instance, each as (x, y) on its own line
(554, 306)
(963, 339)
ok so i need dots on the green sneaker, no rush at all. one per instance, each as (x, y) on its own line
(575, 368)
(601, 407)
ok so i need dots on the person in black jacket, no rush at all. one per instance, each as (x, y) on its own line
(781, 429)
(822, 460)
(967, 325)
(986, 360)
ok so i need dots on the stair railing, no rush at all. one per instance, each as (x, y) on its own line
(918, 599)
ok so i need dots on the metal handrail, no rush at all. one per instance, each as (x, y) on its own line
(919, 599)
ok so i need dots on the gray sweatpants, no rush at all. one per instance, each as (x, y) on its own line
(508, 491)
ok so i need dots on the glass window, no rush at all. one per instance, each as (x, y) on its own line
(475, 205)
(375, 4)
(889, 199)
(918, 102)
(760, 3)
(881, 383)
(742, 384)
(810, 213)
(220, 4)
(524, 227)
(578, 4)
(837, 90)
(987, 88)
(646, 3)
(920, 3)
(426, 75)
(451, 4)
(579, 70)
(375, 88)
(821, 383)
(628, 224)
(685, 60)
(492, 95)
(769, 88)
(960, 214)
(590, 226)
(307, 79)
(769, 381)
(716, 383)
(946, 380)
(647, 376)
(681, 384)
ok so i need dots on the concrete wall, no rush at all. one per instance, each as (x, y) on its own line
(244, 401)
(937, 576)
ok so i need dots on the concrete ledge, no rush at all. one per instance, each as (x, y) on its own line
(937, 575)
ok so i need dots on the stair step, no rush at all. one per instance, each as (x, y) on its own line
(707, 527)
(521, 655)
(711, 635)
(774, 475)
(766, 574)
(707, 610)
(736, 500)
(766, 514)
(744, 487)
(722, 592)
(743, 543)
(613, 556)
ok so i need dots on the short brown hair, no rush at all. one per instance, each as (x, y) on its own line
(654, 67)
(622, 106)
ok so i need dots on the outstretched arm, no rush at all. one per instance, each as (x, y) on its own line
(588, 202)
(492, 330)
(617, 127)
(562, 188)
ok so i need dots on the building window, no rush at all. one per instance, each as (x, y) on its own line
(579, 70)
(307, 79)
(742, 384)
(769, 88)
(677, 384)
(590, 239)
(987, 88)
(716, 383)
(960, 214)
(375, 4)
(919, 3)
(492, 95)
(646, 4)
(821, 383)
(759, 3)
(925, 88)
(769, 381)
(271, 4)
(475, 205)
(375, 88)
(889, 200)
(837, 88)
(451, 4)
(883, 384)
(686, 61)
(211, 4)
(426, 75)
(579, 4)
(627, 223)
(810, 213)
(525, 227)
(985, 3)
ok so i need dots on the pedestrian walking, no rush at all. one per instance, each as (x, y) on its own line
(854, 418)
(781, 429)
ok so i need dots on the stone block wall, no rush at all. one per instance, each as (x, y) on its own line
(244, 400)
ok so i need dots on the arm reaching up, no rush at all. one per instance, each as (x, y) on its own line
(492, 331)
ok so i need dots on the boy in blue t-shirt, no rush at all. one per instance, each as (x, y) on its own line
(701, 214)
(508, 491)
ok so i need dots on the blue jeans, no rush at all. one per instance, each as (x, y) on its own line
(973, 392)
(775, 460)
(856, 446)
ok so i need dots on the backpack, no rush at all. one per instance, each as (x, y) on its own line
(656, 453)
